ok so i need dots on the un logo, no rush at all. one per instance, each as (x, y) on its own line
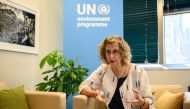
(103, 9)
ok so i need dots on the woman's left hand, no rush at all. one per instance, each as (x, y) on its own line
(138, 100)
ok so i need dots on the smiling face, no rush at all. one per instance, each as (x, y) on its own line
(113, 55)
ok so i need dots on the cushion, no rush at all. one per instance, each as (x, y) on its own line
(167, 100)
(159, 89)
(13, 98)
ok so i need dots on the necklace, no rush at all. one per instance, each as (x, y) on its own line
(121, 73)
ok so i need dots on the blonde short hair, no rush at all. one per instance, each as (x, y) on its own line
(123, 46)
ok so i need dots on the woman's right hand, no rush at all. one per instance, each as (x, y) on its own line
(96, 94)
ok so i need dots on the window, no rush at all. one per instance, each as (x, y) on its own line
(141, 22)
(140, 29)
(176, 31)
(177, 38)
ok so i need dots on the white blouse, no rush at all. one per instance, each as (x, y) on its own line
(103, 76)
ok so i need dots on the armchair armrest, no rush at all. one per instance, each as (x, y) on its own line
(45, 100)
(2, 86)
(84, 102)
(186, 101)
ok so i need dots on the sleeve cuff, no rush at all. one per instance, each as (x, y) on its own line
(151, 103)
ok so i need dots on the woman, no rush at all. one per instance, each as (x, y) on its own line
(124, 85)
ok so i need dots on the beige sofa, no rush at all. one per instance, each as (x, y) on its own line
(84, 102)
(43, 100)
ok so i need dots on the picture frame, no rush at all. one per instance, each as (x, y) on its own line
(19, 26)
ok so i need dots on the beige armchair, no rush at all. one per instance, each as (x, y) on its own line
(44, 100)
(84, 102)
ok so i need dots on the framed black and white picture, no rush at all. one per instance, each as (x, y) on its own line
(18, 27)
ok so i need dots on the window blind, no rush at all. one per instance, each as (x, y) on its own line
(140, 29)
(176, 5)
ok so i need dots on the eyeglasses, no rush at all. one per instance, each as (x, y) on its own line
(114, 52)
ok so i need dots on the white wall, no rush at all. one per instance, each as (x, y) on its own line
(170, 77)
(22, 68)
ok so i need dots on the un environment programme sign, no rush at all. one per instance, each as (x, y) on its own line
(92, 15)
